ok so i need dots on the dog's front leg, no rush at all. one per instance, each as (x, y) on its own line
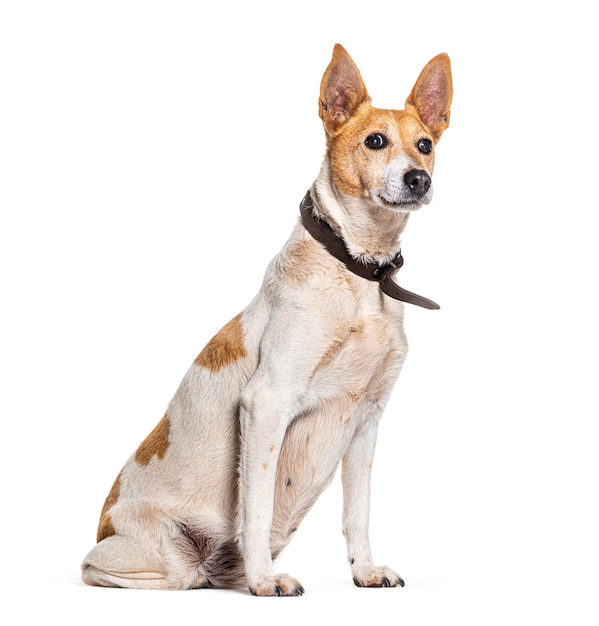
(263, 424)
(356, 470)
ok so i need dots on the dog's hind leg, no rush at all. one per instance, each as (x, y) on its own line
(119, 561)
(182, 555)
(144, 554)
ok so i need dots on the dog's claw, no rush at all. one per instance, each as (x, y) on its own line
(378, 577)
(281, 585)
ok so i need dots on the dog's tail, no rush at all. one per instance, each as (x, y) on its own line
(216, 559)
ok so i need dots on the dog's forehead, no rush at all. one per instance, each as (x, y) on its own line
(394, 122)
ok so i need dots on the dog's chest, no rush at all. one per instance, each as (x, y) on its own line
(347, 389)
(363, 358)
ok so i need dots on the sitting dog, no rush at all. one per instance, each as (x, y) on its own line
(297, 382)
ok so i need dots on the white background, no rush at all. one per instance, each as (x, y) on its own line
(152, 159)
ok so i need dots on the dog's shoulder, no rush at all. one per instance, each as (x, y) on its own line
(304, 265)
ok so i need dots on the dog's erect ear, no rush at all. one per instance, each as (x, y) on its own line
(432, 93)
(341, 90)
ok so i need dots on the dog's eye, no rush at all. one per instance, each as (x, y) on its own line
(376, 141)
(425, 146)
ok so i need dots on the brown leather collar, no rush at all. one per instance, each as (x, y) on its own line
(323, 233)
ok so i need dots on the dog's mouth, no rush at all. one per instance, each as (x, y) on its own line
(399, 205)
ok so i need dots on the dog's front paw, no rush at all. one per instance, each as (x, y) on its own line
(377, 577)
(280, 585)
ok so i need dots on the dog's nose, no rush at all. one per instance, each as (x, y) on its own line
(418, 181)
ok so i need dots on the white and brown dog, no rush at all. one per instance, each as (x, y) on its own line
(297, 382)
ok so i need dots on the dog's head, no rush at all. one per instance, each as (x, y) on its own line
(383, 155)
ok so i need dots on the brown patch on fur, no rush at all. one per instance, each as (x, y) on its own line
(224, 348)
(156, 443)
(106, 528)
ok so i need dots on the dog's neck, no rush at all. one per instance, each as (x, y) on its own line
(369, 232)
(321, 231)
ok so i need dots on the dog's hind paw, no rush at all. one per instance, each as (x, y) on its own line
(280, 585)
(377, 577)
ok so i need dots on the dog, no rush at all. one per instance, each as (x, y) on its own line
(296, 383)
